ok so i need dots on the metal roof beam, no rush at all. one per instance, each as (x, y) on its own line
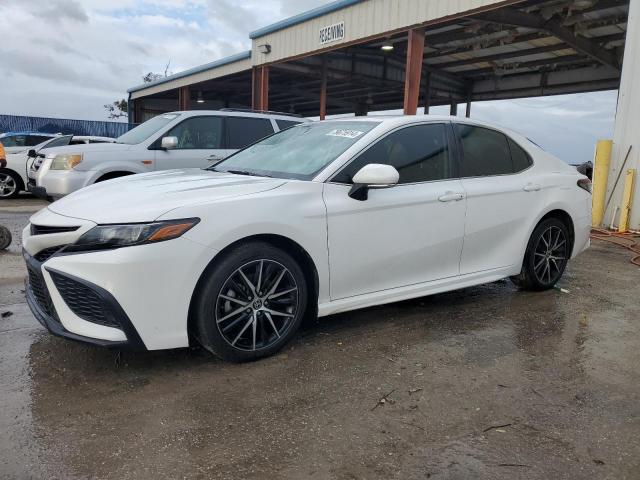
(517, 18)
(503, 55)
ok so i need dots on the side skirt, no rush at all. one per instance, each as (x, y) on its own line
(413, 291)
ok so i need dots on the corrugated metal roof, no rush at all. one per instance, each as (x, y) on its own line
(303, 17)
(201, 68)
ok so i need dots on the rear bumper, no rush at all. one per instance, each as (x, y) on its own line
(42, 307)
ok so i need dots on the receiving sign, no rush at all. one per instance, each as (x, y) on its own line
(332, 33)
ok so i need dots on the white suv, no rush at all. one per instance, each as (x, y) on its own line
(196, 138)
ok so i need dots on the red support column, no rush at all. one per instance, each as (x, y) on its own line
(260, 87)
(323, 90)
(184, 98)
(413, 71)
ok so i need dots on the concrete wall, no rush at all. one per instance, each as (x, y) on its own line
(627, 126)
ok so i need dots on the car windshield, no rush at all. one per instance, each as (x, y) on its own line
(299, 152)
(143, 131)
(54, 142)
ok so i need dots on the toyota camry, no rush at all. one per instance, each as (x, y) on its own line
(320, 218)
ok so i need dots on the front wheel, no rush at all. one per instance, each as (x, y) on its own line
(546, 257)
(251, 303)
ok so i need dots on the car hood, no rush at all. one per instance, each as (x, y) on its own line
(147, 196)
(87, 147)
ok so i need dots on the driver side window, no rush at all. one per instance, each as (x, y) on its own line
(198, 133)
(420, 153)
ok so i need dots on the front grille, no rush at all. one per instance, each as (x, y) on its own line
(41, 293)
(83, 301)
(47, 253)
(45, 229)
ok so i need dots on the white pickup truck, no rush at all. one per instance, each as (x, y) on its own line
(197, 138)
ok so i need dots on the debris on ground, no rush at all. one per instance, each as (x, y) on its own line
(384, 399)
(497, 427)
(563, 290)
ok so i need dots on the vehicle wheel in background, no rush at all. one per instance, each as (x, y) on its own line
(250, 302)
(10, 184)
(546, 257)
(5, 237)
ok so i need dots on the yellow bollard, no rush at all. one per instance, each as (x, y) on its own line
(627, 195)
(602, 161)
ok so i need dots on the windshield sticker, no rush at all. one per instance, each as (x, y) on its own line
(341, 132)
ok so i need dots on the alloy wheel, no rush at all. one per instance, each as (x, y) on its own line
(550, 255)
(8, 185)
(256, 305)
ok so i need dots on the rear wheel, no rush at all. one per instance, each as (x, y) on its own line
(251, 303)
(546, 257)
(10, 184)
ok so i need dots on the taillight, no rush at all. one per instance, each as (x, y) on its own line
(585, 184)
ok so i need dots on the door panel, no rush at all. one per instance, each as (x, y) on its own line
(500, 202)
(200, 143)
(399, 236)
(499, 211)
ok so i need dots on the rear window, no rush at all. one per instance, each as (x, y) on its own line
(485, 152)
(521, 159)
(242, 131)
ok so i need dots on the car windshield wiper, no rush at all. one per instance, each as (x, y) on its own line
(246, 172)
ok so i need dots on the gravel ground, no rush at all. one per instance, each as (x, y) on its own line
(485, 382)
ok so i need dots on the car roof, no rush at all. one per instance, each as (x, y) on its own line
(242, 113)
(391, 121)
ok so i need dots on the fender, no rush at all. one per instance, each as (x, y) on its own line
(116, 167)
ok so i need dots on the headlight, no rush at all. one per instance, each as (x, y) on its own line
(116, 236)
(65, 161)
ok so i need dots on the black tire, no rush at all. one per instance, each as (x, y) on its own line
(5, 237)
(269, 319)
(544, 264)
(112, 175)
(10, 184)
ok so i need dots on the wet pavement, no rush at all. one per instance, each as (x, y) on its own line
(485, 382)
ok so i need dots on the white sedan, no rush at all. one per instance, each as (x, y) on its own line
(321, 218)
(16, 175)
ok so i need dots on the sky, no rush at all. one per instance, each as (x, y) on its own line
(67, 58)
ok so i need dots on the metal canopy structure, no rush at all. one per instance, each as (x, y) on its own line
(501, 51)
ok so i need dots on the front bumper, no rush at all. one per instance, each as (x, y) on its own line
(42, 306)
(147, 289)
(58, 183)
(39, 192)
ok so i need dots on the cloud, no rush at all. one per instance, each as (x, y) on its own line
(56, 10)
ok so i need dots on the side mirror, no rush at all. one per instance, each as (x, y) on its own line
(374, 175)
(169, 143)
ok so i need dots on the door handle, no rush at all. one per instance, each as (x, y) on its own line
(530, 187)
(451, 197)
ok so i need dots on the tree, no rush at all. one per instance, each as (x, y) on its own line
(118, 109)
